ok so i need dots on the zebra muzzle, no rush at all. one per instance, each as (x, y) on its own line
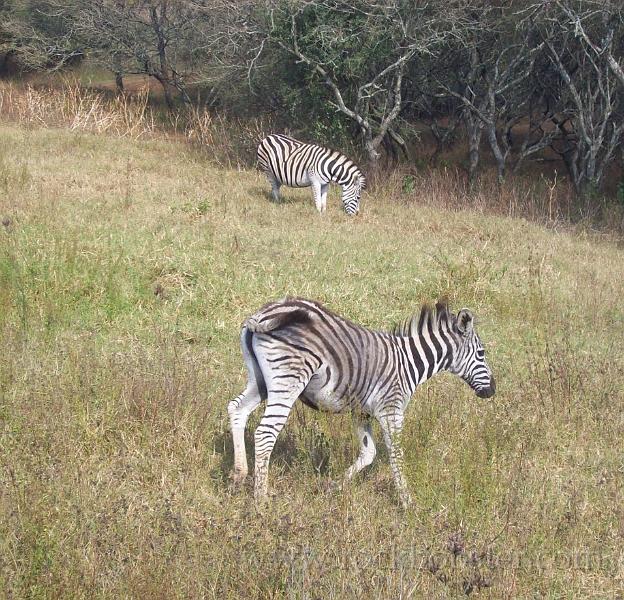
(487, 392)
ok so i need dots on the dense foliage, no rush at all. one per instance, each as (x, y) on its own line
(521, 79)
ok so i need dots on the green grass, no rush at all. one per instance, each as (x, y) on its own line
(126, 268)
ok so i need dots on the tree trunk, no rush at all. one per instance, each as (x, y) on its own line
(474, 131)
(391, 151)
(397, 141)
(372, 155)
(164, 71)
(166, 90)
(4, 63)
(118, 71)
(499, 157)
(119, 84)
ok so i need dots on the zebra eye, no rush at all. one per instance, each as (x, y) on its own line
(481, 353)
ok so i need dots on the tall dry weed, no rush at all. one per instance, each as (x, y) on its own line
(547, 200)
(77, 108)
(228, 142)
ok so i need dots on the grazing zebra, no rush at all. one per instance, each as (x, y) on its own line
(293, 163)
(296, 348)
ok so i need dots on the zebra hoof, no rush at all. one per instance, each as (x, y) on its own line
(237, 479)
(332, 486)
(261, 502)
(406, 501)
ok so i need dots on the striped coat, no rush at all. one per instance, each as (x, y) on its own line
(287, 161)
(295, 348)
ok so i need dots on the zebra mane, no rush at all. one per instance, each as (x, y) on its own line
(429, 316)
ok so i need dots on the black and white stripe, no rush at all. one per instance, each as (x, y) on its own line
(296, 348)
(287, 161)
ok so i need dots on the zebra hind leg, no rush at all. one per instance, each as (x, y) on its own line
(367, 450)
(324, 190)
(318, 195)
(239, 410)
(281, 398)
(275, 188)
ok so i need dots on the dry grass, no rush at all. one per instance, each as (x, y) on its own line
(228, 143)
(544, 198)
(126, 268)
(77, 108)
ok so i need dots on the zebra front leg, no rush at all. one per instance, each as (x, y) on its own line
(367, 450)
(239, 411)
(316, 192)
(392, 425)
(278, 406)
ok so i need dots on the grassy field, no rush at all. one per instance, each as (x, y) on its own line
(126, 268)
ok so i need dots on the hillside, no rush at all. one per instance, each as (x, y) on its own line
(126, 268)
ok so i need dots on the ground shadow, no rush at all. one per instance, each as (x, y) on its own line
(301, 446)
(285, 452)
(285, 198)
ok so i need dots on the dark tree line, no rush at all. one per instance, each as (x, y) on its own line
(512, 78)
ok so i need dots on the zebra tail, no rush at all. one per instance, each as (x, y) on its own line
(265, 321)
(268, 319)
(255, 365)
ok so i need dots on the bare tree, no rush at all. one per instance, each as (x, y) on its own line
(486, 73)
(149, 37)
(590, 119)
(539, 117)
(441, 115)
(34, 38)
(601, 40)
(172, 41)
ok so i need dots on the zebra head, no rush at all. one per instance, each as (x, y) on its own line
(469, 357)
(351, 194)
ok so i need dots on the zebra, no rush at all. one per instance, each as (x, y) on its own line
(296, 348)
(291, 162)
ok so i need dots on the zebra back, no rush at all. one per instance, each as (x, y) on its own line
(364, 362)
(275, 149)
(289, 160)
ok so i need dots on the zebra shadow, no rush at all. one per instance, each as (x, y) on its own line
(292, 452)
(301, 448)
(285, 198)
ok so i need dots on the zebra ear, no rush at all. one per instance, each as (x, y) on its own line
(465, 321)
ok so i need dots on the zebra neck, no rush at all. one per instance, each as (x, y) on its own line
(428, 353)
(345, 185)
(343, 177)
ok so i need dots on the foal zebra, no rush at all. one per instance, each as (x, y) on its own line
(296, 348)
(290, 162)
